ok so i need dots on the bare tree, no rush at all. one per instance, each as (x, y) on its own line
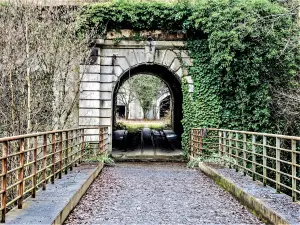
(39, 63)
(126, 95)
(286, 107)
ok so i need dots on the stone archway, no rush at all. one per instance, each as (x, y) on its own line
(111, 61)
(172, 81)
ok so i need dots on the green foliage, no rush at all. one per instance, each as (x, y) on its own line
(136, 15)
(211, 158)
(249, 48)
(117, 40)
(135, 127)
(146, 88)
(130, 127)
(156, 126)
(136, 37)
(120, 126)
(241, 49)
(202, 107)
(102, 158)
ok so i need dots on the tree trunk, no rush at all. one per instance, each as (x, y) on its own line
(126, 112)
(12, 106)
(28, 79)
(144, 114)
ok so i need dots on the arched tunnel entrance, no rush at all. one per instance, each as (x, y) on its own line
(171, 136)
(116, 63)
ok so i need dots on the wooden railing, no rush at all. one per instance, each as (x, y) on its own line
(31, 161)
(270, 158)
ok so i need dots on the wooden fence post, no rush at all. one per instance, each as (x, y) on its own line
(192, 143)
(200, 142)
(74, 148)
(53, 145)
(245, 153)
(82, 144)
(236, 152)
(60, 155)
(34, 178)
(4, 179)
(67, 152)
(264, 160)
(44, 161)
(77, 148)
(230, 148)
(21, 174)
(99, 140)
(294, 171)
(220, 145)
(253, 157)
(102, 140)
(278, 164)
(71, 150)
(224, 145)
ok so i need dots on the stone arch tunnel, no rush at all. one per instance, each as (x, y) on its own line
(112, 64)
(172, 81)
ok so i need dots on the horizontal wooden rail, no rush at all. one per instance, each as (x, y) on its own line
(270, 158)
(30, 161)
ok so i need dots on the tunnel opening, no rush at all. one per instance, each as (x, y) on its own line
(168, 106)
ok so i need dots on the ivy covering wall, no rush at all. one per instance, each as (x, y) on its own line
(241, 49)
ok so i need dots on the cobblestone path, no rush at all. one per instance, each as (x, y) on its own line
(157, 193)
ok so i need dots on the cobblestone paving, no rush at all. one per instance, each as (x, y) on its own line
(156, 193)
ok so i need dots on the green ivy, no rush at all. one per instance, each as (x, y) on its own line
(202, 107)
(241, 49)
(136, 15)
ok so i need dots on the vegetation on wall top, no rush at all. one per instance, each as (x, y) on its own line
(242, 51)
(136, 15)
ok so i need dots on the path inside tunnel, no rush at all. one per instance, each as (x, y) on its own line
(157, 193)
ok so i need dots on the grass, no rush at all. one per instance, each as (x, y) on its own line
(156, 126)
(102, 158)
(212, 157)
(135, 125)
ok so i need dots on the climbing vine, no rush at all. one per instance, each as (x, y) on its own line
(202, 107)
(240, 50)
(249, 48)
(126, 14)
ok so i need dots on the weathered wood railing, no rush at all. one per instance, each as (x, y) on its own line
(30, 161)
(273, 159)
